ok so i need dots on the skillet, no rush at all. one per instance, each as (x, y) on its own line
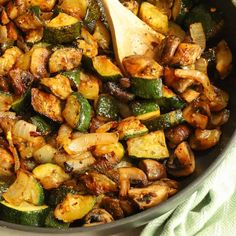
(206, 162)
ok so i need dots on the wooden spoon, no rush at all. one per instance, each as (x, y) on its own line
(130, 35)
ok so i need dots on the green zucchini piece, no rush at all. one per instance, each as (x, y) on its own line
(165, 121)
(92, 15)
(180, 9)
(52, 222)
(4, 185)
(169, 100)
(143, 107)
(152, 145)
(106, 69)
(62, 29)
(77, 112)
(6, 101)
(73, 76)
(24, 214)
(57, 195)
(42, 125)
(22, 104)
(36, 11)
(28, 189)
(106, 107)
(130, 128)
(147, 88)
(74, 207)
(212, 22)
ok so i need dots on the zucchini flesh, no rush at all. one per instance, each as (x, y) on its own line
(147, 88)
(106, 107)
(73, 76)
(78, 112)
(130, 128)
(165, 121)
(62, 29)
(52, 222)
(106, 69)
(152, 145)
(6, 101)
(24, 214)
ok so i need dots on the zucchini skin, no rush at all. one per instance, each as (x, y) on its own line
(31, 218)
(21, 105)
(143, 107)
(73, 76)
(57, 195)
(106, 107)
(82, 120)
(147, 88)
(64, 34)
(42, 125)
(165, 121)
(52, 222)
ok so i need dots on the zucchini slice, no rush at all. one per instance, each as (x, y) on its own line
(106, 69)
(24, 189)
(52, 222)
(165, 121)
(130, 128)
(147, 88)
(212, 22)
(50, 175)
(154, 17)
(62, 29)
(42, 125)
(74, 207)
(6, 101)
(169, 100)
(77, 112)
(59, 85)
(106, 107)
(73, 76)
(72, 57)
(43, 5)
(152, 145)
(24, 214)
(46, 104)
(23, 103)
(89, 86)
(143, 107)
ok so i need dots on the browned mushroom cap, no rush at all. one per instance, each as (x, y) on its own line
(205, 139)
(197, 113)
(98, 216)
(149, 196)
(112, 205)
(171, 44)
(172, 184)
(128, 175)
(97, 183)
(182, 163)
(153, 169)
(178, 134)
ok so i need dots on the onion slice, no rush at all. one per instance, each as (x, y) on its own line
(86, 141)
(198, 35)
(23, 129)
(200, 77)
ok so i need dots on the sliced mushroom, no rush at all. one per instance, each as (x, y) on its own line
(182, 163)
(78, 163)
(197, 113)
(118, 92)
(153, 169)
(112, 205)
(205, 139)
(97, 183)
(98, 216)
(172, 184)
(149, 196)
(178, 134)
(218, 119)
(171, 45)
(128, 176)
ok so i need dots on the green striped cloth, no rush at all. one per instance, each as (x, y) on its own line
(210, 211)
